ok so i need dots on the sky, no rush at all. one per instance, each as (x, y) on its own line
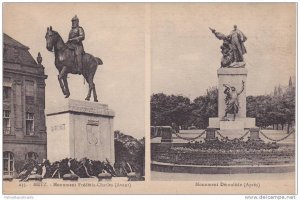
(114, 32)
(185, 55)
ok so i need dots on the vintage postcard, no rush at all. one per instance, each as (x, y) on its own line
(149, 98)
(223, 95)
(73, 104)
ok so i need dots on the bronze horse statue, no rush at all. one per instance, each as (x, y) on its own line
(65, 61)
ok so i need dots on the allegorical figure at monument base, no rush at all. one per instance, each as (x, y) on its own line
(232, 100)
(233, 47)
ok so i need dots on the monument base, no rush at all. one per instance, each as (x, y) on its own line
(78, 129)
(237, 124)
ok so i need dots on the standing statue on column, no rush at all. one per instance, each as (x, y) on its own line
(233, 47)
(76, 36)
(232, 100)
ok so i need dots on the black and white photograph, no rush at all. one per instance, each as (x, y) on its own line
(223, 93)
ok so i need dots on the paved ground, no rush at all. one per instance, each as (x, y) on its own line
(165, 176)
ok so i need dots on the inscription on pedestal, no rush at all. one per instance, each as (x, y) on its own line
(92, 130)
(59, 127)
(88, 131)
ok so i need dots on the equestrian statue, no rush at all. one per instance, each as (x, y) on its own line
(71, 58)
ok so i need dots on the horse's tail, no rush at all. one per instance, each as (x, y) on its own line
(99, 61)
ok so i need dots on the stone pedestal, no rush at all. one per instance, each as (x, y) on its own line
(166, 140)
(232, 77)
(238, 123)
(166, 136)
(254, 134)
(78, 129)
(210, 134)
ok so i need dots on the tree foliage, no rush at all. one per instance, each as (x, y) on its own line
(267, 109)
(168, 109)
(204, 107)
(272, 109)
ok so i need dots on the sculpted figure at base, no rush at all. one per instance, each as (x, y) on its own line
(233, 47)
(232, 100)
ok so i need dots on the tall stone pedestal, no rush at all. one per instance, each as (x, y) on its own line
(232, 77)
(78, 129)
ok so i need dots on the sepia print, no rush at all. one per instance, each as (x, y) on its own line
(223, 93)
(149, 98)
(69, 112)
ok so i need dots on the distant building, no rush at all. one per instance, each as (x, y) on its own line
(281, 89)
(24, 128)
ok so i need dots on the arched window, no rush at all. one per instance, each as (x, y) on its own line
(31, 155)
(8, 163)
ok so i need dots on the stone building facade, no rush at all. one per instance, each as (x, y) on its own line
(24, 128)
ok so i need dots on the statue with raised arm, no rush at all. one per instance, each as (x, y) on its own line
(233, 47)
(232, 99)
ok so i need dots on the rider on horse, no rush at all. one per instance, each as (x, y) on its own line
(76, 36)
(70, 58)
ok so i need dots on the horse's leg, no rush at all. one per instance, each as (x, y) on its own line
(91, 79)
(63, 79)
(92, 86)
(94, 92)
(61, 85)
(89, 94)
(90, 89)
(67, 92)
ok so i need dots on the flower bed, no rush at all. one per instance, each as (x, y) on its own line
(226, 153)
(83, 168)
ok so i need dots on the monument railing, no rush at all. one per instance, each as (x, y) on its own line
(190, 139)
(240, 138)
(277, 140)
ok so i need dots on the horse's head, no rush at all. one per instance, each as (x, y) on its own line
(51, 38)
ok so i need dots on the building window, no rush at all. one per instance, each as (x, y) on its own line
(6, 122)
(8, 163)
(29, 124)
(29, 92)
(6, 93)
(7, 88)
(29, 88)
(31, 155)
